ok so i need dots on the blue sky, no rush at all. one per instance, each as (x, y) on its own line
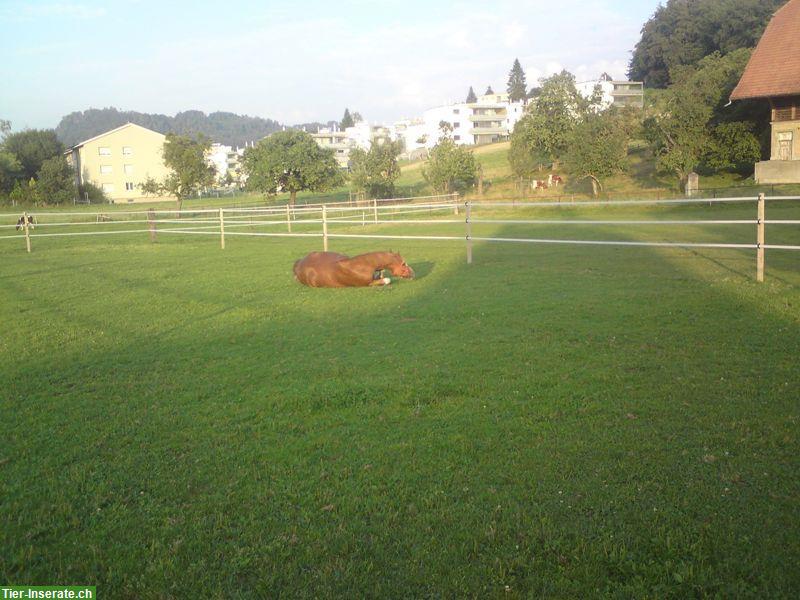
(295, 61)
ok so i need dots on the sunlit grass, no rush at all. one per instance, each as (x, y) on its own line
(182, 421)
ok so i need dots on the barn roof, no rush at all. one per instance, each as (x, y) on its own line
(774, 67)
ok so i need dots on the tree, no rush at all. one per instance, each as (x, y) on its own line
(488, 91)
(681, 33)
(544, 133)
(450, 167)
(347, 120)
(151, 187)
(598, 147)
(471, 97)
(56, 181)
(186, 158)
(32, 147)
(375, 172)
(290, 161)
(516, 88)
(732, 147)
(10, 171)
(357, 118)
(5, 127)
(682, 130)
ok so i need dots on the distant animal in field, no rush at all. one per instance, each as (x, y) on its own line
(102, 217)
(557, 180)
(539, 184)
(31, 222)
(330, 269)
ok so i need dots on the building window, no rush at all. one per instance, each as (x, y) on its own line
(455, 111)
(456, 137)
(105, 151)
(129, 186)
(127, 151)
(106, 169)
(456, 125)
(108, 188)
(128, 169)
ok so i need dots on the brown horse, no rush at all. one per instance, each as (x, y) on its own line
(329, 269)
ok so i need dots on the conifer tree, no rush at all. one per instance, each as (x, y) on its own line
(347, 119)
(471, 97)
(517, 90)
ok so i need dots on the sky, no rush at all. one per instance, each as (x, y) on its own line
(295, 61)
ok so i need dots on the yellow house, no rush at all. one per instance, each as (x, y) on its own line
(119, 160)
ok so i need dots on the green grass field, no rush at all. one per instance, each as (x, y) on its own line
(550, 421)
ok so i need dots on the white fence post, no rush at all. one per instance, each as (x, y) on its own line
(455, 203)
(27, 232)
(375, 210)
(760, 239)
(221, 230)
(288, 219)
(324, 228)
(469, 231)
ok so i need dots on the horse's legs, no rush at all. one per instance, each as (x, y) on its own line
(381, 281)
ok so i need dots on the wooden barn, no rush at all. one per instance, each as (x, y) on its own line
(773, 74)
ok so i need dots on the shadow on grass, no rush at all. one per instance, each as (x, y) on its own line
(489, 418)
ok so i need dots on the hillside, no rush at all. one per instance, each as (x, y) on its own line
(223, 127)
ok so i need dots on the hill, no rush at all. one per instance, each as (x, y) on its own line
(223, 127)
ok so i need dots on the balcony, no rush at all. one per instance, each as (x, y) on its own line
(479, 118)
(489, 131)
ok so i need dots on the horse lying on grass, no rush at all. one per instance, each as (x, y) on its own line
(329, 269)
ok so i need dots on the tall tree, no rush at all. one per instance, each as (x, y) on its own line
(684, 129)
(544, 133)
(471, 97)
(488, 91)
(682, 32)
(375, 172)
(32, 147)
(290, 161)
(450, 167)
(56, 181)
(347, 120)
(598, 147)
(186, 158)
(516, 88)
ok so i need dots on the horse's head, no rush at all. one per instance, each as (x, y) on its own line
(400, 268)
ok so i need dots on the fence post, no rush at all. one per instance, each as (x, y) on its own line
(151, 225)
(221, 230)
(27, 232)
(468, 224)
(375, 209)
(760, 239)
(288, 219)
(455, 203)
(363, 218)
(324, 228)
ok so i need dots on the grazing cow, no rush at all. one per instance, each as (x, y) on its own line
(31, 222)
(557, 180)
(539, 184)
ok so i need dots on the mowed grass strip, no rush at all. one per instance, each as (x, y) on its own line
(549, 421)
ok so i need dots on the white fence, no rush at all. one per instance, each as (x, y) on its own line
(318, 220)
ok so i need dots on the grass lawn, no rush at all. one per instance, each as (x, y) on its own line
(563, 421)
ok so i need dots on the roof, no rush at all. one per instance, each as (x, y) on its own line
(774, 67)
(112, 131)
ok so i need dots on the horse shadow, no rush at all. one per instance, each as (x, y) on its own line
(422, 269)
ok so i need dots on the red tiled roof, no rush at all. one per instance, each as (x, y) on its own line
(774, 67)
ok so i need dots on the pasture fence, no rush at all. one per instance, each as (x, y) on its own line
(317, 220)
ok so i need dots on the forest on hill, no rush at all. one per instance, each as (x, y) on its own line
(682, 32)
(223, 127)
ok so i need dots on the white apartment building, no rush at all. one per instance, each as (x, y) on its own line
(614, 93)
(490, 119)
